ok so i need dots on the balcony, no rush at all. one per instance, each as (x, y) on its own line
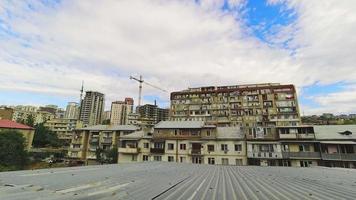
(301, 154)
(266, 155)
(339, 156)
(129, 150)
(195, 152)
(157, 151)
(107, 140)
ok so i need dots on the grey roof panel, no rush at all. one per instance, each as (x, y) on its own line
(161, 180)
(332, 132)
(179, 124)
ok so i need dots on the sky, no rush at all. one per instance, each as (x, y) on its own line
(48, 47)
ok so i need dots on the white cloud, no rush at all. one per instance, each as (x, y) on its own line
(173, 44)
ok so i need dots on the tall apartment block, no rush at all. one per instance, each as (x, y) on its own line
(152, 113)
(92, 108)
(120, 111)
(72, 111)
(254, 105)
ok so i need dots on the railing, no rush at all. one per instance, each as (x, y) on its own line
(301, 154)
(129, 150)
(253, 154)
(157, 151)
(339, 156)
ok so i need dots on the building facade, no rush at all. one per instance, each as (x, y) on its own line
(26, 131)
(72, 111)
(120, 111)
(86, 141)
(241, 105)
(92, 108)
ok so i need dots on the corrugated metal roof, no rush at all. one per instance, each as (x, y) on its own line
(179, 124)
(332, 132)
(233, 132)
(179, 181)
(110, 128)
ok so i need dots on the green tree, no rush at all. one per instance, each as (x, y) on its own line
(12, 151)
(44, 137)
(30, 120)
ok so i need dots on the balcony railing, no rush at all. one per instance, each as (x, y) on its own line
(339, 156)
(271, 155)
(129, 150)
(301, 154)
(157, 151)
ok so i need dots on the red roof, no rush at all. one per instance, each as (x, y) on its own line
(5, 123)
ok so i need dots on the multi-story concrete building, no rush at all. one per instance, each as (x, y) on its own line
(337, 145)
(185, 141)
(26, 131)
(240, 105)
(86, 141)
(63, 128)
(92, 108)
(120, 111)
(72, 111)
(152, 113)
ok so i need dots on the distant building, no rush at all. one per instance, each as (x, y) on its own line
(92, 108)
(120, 111)
(6, 113)
(72, 111)
(270, 104)
(63, 128)
(26, 131)
(152, 113)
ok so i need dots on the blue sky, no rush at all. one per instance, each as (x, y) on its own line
(48, 47)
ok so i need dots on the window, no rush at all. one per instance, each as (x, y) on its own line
(170, 159)
(170, 146)
(224, 161)
(239, 162)
(146, 145)
(145, 157)
(238, 147)
(183, 146)
(224, 147)
(157, 158)
(211, 161)
(210, 147)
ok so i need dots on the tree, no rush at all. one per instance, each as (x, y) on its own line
(44, 137)
(12, 150)
(30, 120)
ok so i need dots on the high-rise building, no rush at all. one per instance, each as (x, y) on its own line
(72, 111)
(92, 108)
(120, 111)
(254, 105)
(152, 113)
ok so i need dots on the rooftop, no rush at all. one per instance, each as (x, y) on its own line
(179, 124)
(159, 180)
(110, 128)
(5, 123)
(334, 132)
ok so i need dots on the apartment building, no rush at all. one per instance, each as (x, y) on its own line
(253, 105)
(152, 114)
(337, 145)
(63, 128)
(86, 141)
(92, 108)
(27, 131)
(282, 146)
(120, 111)
(72, 111)
(186, 142)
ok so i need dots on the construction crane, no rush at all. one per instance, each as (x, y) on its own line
(140, 80)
